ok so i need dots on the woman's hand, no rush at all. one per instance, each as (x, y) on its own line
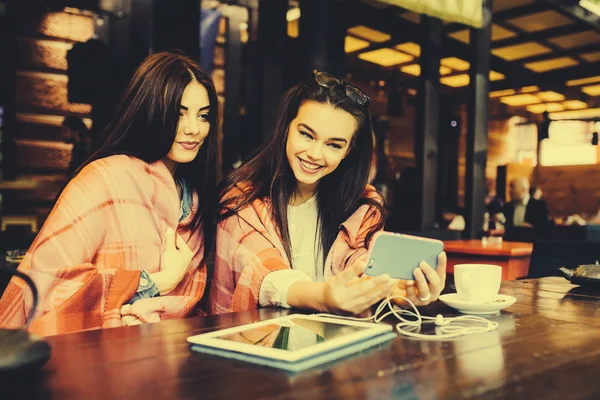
(426, 287)
(140, 312)
(350, 293)
(175, 262)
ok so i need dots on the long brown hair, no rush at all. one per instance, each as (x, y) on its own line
(145, 124)
(270, 176)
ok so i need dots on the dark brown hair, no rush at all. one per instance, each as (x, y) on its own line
(270, 175)
(145, 124)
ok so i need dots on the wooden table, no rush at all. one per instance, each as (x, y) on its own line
(513, 257)
(546, 346)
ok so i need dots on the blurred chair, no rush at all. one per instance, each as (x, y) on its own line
(549, 255)
(572, 232)
(15, 237)
(593, 232)
(520, 234)
(27, 220)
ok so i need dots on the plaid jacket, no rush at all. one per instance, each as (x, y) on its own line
(249, 247)
(108, 224)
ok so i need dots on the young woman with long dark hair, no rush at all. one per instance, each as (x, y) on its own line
(127, 239)
(297, 220)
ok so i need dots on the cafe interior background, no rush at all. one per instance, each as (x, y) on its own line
(532, 109)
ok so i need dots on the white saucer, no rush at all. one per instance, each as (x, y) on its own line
(467, 307)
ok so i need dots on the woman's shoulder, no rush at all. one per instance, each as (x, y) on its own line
(239, 200)
(371, 193)
(122, 167)
(236, 194)
(114, 162)
(237, 189)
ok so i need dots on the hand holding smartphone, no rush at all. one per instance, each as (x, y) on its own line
(398, 255)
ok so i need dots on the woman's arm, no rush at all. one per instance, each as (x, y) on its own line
(349, 292)
(245, 256)
(72, 290)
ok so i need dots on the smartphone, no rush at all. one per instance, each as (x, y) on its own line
(398, 255)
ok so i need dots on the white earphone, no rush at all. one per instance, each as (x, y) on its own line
(444, 328)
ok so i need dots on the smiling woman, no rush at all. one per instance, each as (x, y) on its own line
(313, 155)
(127, 239)
(297, 220)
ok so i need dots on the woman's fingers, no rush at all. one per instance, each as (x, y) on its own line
(429, 274)
(370, 292)
(441, 267)
(411, 294)
(170, 239)
(422, 285)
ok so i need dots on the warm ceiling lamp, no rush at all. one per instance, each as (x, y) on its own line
(550, 107)
(496, 76)
(385, 57)
(352, 44)
(456, 80)
(583, 81)
(415, 70)
(550, 96)
(369, 34)
(455, 63)
(577, 114)
(575, 104)
(593, 90)
(520, 100)
(500, 93)
(529, 89)
(410, 48)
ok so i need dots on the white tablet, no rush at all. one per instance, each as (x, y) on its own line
(294, 342)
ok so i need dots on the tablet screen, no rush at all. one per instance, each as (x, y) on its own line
(292, 334)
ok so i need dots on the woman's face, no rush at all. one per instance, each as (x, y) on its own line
(318, 140)
(193, 125)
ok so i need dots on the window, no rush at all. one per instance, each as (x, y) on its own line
(569, 143)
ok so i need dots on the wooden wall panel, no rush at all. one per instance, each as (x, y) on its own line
(219, 58)
(44, 92)
(42, 55)
(218, 76)
(42, 103)
(570, 189)
(41, 126)
(501, 150)
(42, 154)
(61, 25)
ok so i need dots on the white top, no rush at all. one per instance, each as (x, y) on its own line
(307, 257)
(520, 208)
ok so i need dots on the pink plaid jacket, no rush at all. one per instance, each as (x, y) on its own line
(249, 247)
(108, 224)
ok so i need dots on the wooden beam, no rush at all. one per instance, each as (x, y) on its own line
(552, 78)
(477, 132)
(405, 31)
(542, 36)
(16, 16)
(574, 52)
(574, 10)
(231, 118)
(510, 13)
(520, 11)
(323, 27)
(272, 34)
(428, 115)
(516, 75)
(176, 25)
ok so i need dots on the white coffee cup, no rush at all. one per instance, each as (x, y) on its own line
(478, 283)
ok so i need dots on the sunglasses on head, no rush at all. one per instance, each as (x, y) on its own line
(328, 81)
